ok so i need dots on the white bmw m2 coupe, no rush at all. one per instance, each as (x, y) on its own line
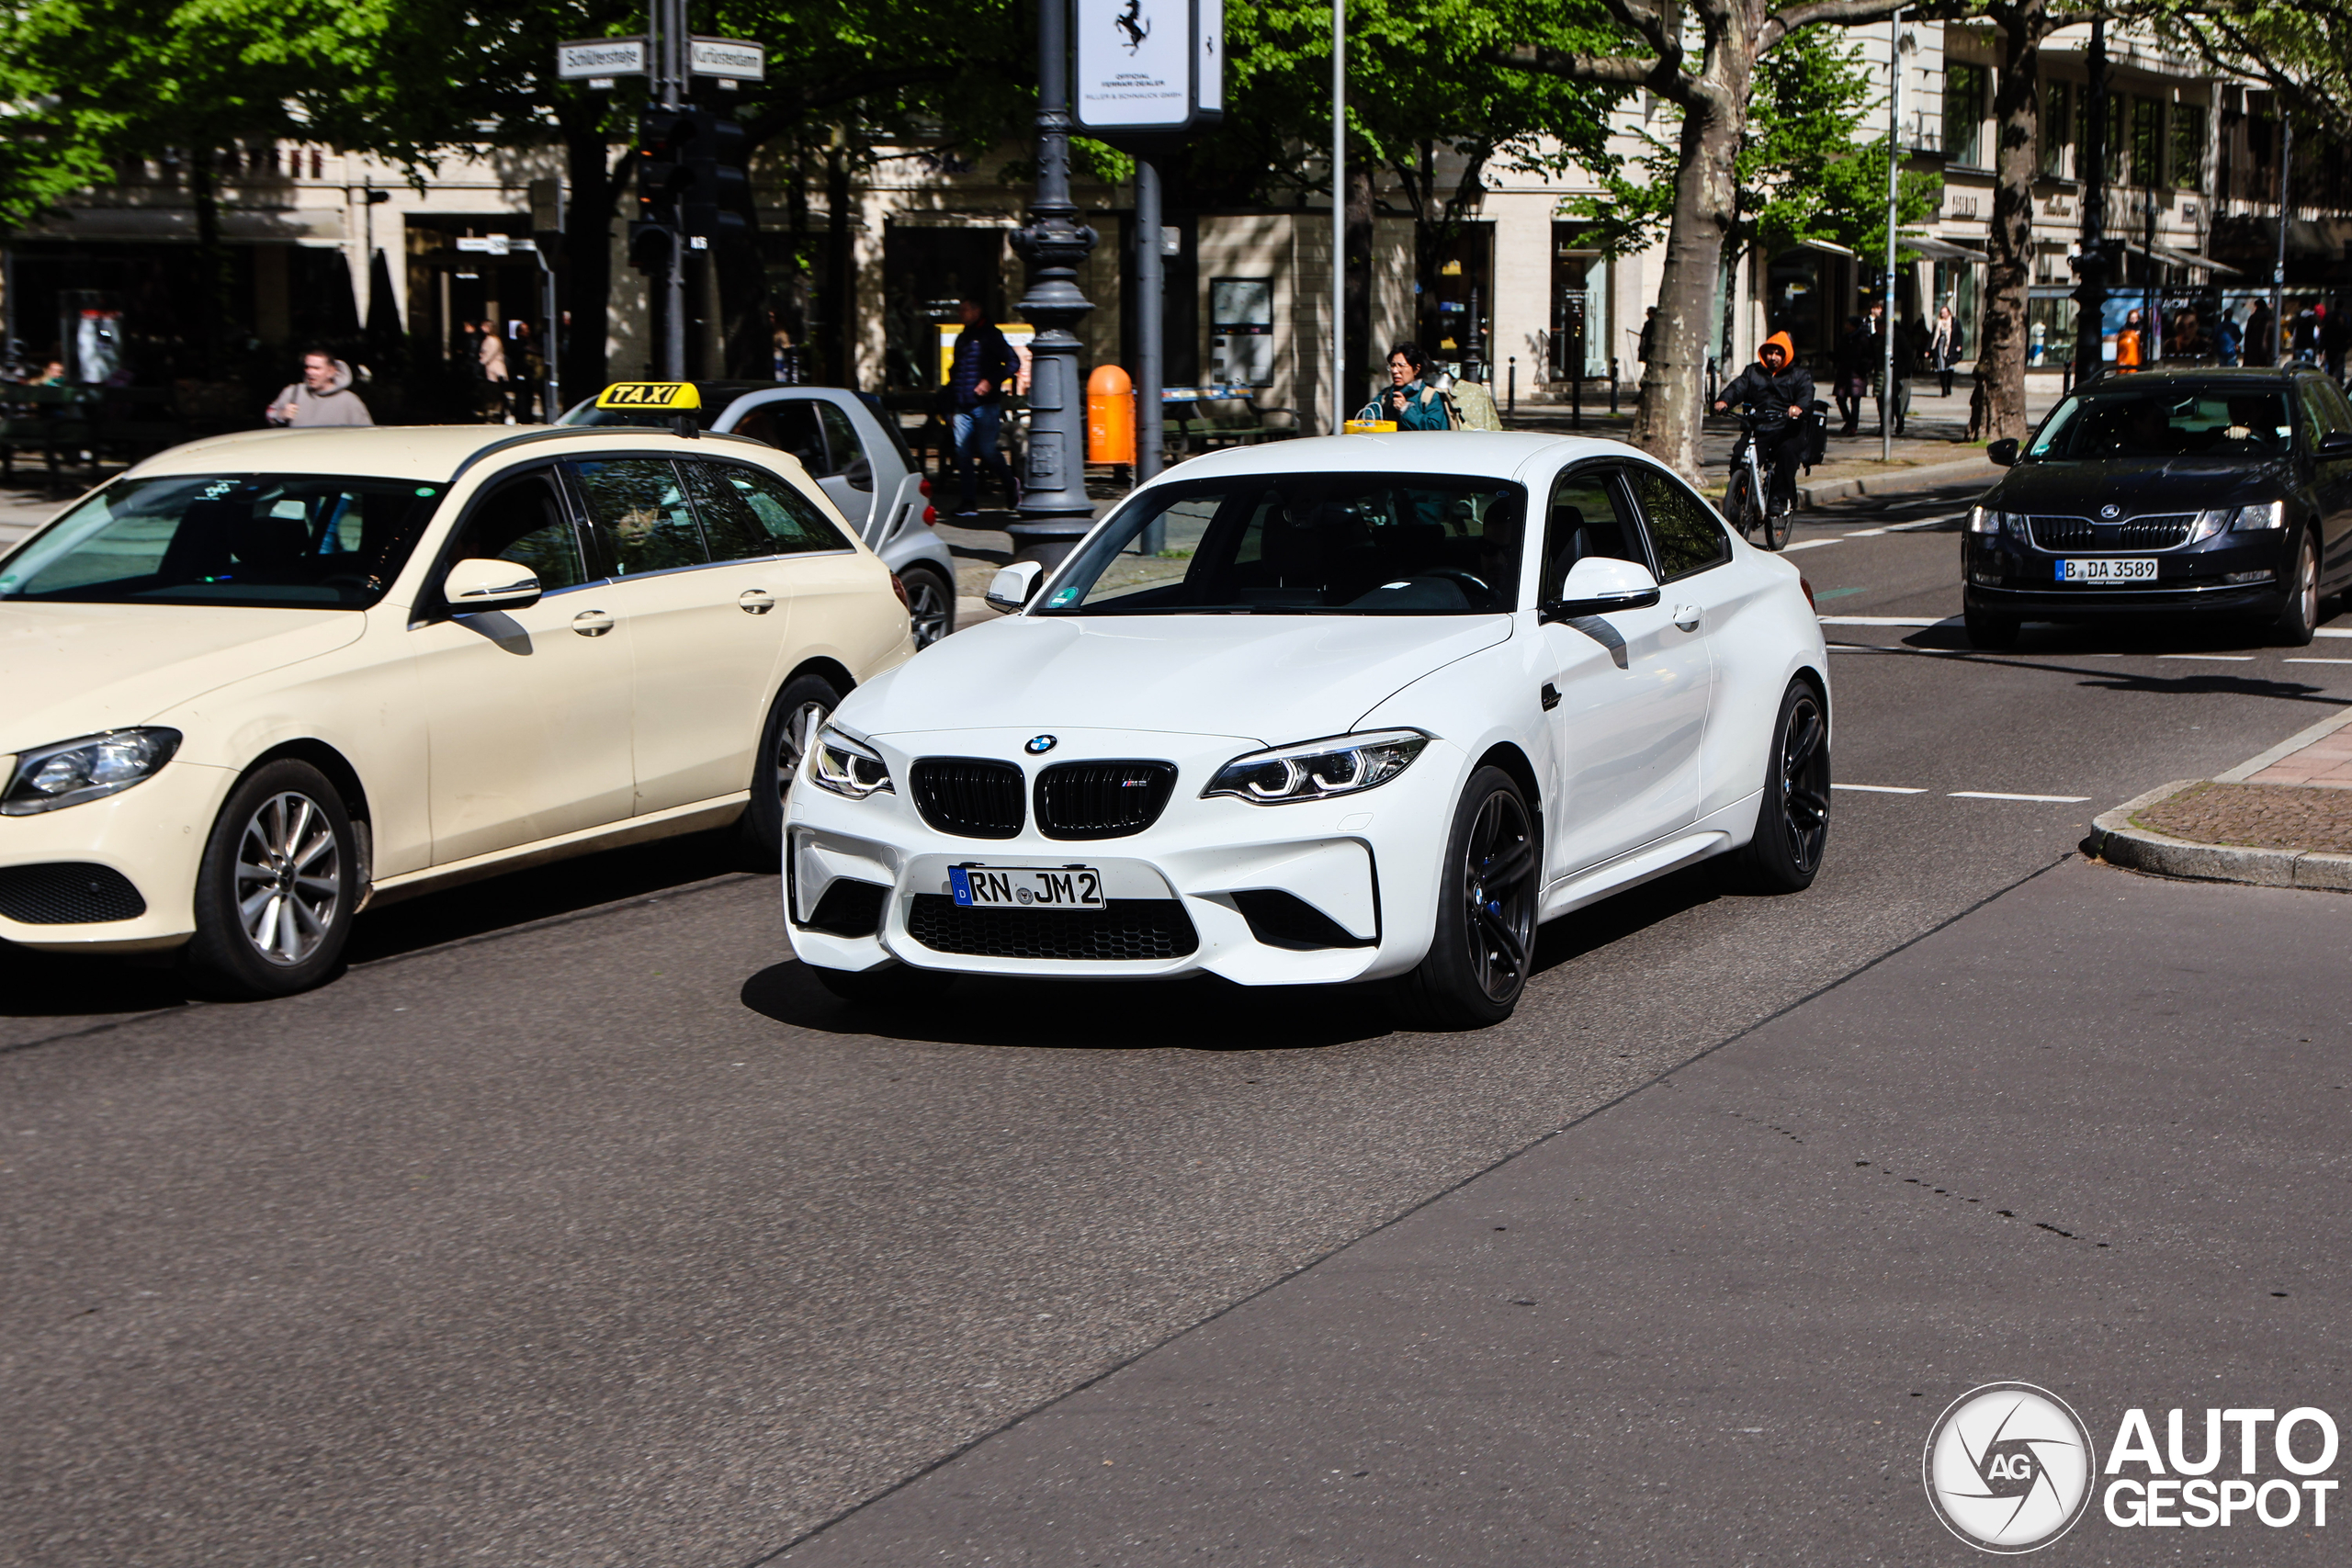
(1331, 711)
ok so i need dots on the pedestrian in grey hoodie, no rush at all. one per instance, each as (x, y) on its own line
(323, 396)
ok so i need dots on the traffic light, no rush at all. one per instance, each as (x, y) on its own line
(716, 199)
(663, 137)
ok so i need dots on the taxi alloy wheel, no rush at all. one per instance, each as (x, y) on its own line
(798, 712)
(275, 893)
(1483, 948)
(931, 604)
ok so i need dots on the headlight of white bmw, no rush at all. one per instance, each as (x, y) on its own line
(1318, 769)
(847, 767)
(48, 778)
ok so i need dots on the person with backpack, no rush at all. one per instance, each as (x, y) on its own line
(1410, 399)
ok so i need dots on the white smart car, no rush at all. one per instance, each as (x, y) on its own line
(1375, 705)
(260, 680)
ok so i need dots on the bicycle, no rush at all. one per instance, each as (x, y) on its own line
(1745, 503)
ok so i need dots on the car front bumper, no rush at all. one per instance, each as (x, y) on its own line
(1185, 894)
(150, 837)
(2004, 576)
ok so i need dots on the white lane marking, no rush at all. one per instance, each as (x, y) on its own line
(1996, 795)
(1880, 789)
(2333, 631)
(1863, 534)
(1806, 545)
(2216, 657)
(1930, 522)
(2286, 661)
(1887, 621)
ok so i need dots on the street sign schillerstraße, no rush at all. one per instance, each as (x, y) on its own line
(727, 58)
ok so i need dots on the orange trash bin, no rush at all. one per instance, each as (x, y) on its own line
(1109, 416)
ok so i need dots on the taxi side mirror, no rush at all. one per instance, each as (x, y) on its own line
(1014, 586)
(474, 585)
(2003, 453)
(1597, 585)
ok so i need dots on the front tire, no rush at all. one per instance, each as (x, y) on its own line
(275, 888)
(1792, 820)
(1480, 953)
(1777, 527)
(793, 718)
(1740, 504)
(2299, 620)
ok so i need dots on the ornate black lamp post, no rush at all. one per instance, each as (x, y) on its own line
(1054, 509)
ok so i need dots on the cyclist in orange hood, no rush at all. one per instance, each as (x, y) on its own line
(1781, 390)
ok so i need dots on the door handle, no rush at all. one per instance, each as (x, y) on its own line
(755, 600)
(1687, 616)
(591, 623)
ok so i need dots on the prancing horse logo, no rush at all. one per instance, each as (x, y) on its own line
(1131, 23)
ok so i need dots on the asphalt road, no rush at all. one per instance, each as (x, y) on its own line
(575, 1223)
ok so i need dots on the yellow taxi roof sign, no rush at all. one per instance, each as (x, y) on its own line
(678, 396)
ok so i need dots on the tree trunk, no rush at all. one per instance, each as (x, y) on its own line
(211, 257)
(1362, 352)
(587, 280)
(1999, 410)
(841, 267)
(1666, 422)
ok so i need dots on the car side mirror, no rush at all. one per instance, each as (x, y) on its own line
(2335, 444)
(1597, 585)
(475, 585)
(860, 474)
(1014, 586)
(2003, 453)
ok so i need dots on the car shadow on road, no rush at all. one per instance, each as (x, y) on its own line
(1203, 1013)
(45, 985)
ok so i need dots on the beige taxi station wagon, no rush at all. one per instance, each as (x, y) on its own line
(260, 680)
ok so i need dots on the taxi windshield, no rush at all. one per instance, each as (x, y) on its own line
(300, 541)
(2168, 421)
(1346, 544)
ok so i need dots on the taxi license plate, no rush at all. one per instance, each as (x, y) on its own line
(1026, 888)
(2141, 568)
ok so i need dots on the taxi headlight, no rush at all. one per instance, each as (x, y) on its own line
(1318, 769)
(847, 767)
(2268, 514)
(46, 778)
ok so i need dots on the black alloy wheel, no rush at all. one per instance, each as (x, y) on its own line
(931, 603)
(1483, 948)
(2299, 621)
(277, 887)
(1792, 818)
(798, 712)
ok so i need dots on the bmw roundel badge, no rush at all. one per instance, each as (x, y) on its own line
(1039, 745)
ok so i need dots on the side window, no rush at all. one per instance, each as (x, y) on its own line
(2335, 412)
(848, 453)
(790, 426)
(1683, 531)
(523, 520)
(1587, 517)
(641, 515)
(751, 513)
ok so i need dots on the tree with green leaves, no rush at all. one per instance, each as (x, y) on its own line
(1703, 57)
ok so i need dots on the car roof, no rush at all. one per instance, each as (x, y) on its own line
(2206, 375)
(437, 452)
(1475, 454)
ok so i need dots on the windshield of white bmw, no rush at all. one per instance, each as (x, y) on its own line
(2168, 421)
(1303, 545)
(299, 541)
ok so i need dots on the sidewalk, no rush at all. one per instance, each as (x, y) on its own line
(2280, 820)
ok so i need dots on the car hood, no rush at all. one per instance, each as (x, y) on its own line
(75, 669)
(2138, 486)
(1270, 679)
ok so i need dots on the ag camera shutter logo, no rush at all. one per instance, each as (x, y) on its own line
(2008, 1468)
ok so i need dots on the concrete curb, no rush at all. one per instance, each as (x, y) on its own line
(2115, 839)
(1894, 480)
